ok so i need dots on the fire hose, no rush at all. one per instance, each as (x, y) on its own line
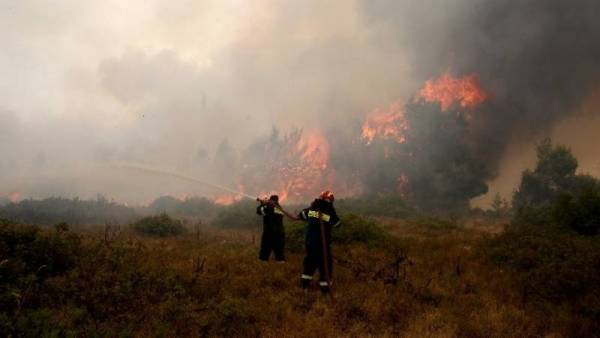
(325, 257)
(277, 206)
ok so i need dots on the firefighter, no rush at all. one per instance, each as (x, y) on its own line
(321, 218)
(273, 236)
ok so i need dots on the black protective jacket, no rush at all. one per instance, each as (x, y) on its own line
(273, 236)
(272, 218)
(314, 259)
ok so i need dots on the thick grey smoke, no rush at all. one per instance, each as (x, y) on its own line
(537, 58)
(190, 86)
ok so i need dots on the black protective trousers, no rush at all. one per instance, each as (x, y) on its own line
(272, 241)
(313, 260)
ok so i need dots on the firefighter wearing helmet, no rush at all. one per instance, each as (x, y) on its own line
(321, 218)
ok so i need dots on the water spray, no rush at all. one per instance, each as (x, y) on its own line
(159, 172)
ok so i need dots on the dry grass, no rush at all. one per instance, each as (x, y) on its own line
(434, 282)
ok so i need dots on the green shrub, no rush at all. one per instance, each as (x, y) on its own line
(389, 206)
(239, 215)
(28, 256)
(356, 229)
(294, 236)
(435, 223)
(580, 213)
(75, 211)
(353, 230)
(27, 250)
(159, 226)
(552, 266)
(191, 206)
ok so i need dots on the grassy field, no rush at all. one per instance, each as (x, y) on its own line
(409, 277)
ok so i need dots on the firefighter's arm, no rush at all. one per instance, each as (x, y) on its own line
(303, 215)
(264, 210)
(278, 207)
(336, 222)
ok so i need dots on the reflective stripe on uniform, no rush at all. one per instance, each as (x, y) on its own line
(323, 284)
(303, 214)
(306, 277)
(315, 214)
(277, 211)
(262, 211)
(338, 223)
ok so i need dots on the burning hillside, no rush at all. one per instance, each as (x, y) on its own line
(417, 150)
(295, 165)
(425, 156)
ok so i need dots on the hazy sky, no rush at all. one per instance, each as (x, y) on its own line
(162, 83)
(158, 82)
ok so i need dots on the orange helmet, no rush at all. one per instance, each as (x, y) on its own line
(327, 196)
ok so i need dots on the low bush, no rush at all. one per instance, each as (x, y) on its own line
(189, 287)
(28, 256)
(553, 267)
(357, 229)
(191, 206)
(74, 211)
(353, 230)
(580, 213)
(389, 206)
(239, 215)
(435, 223)
(294, 236)
(159, 226)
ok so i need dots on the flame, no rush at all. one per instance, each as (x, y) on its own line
(295, 167)
(390, 124)
(402, 184)
(14, 196)
(447, 90)
(304, 171)
(227, 199)
(314, 149)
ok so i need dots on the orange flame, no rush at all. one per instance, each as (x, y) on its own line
(295, 167)
(15, 196)
(314, 149)
(305, 170)
(447, 89)
(390, 124)
(227, 199)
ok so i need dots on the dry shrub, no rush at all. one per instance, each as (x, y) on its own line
(421, 283)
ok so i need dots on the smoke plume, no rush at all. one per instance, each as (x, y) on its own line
(198, 86)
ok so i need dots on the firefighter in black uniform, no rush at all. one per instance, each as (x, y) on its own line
(273, 236)
(318, 252)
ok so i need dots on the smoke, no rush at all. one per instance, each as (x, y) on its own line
(191, 86)
(538, 58)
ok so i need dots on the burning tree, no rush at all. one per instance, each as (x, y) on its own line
(434, 167)
(294, 165)
(421, 148)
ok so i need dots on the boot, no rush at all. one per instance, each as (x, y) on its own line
(305, 281)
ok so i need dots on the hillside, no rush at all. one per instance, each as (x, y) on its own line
(409, 277)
